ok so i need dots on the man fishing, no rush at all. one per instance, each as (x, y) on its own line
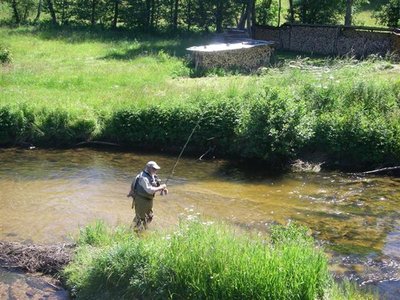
(143, 190)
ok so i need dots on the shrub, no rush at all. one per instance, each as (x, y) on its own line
(389, 14)
(62, 128)
(11, 125)
(5, 55)
(274, 128)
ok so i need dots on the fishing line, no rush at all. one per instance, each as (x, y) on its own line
(183, 149)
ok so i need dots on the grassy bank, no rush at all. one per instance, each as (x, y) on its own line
(65, 86)
(200, 260)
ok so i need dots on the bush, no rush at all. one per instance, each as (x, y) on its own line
(274, 128)
(357, 140)
(11, 125)
(167, 127)
(389, 14)
(62, 128)
(5, 55)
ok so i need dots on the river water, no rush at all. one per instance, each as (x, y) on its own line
(46, 196)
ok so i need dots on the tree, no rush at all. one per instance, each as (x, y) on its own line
(39, 11)
(389, 14)
(116, 12)
(52, 11)
(267, 10)
(291, 12)
(348, 16)
(21, 9)
(14, 6)
(318, 11)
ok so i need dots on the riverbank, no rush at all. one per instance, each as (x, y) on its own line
(199, 260)
(59, 91)
(190, 262)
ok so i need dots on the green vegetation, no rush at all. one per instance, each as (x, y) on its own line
(200, 260)
(194, 15)
(5, 55)
(67, 86)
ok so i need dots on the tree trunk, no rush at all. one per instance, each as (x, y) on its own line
(175, 18)
(52, 12)
(93, 13)
(219, 15)
(291, 11)
(15, 11)
(116, 12)
(253, 13)
(279, 12)
(189, 15)
(39, 11)
(249, 19)
(348, 17)
(152, 14)
(243, 17)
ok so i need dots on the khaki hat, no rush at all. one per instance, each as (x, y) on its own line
(153, 164)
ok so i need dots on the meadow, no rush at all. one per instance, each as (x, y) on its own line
(65, 86)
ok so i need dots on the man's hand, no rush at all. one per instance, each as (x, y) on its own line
(164, 190)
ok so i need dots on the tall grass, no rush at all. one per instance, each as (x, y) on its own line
(200, 260)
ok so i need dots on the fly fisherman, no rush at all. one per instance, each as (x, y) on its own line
(143, 190)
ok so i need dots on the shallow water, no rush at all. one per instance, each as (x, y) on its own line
(46, 196)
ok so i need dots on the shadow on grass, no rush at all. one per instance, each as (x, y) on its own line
(127, 43)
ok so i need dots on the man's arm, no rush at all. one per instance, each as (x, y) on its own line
(145, 184)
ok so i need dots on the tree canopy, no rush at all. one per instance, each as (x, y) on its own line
(191, 15)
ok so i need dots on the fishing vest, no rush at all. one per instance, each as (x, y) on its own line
(139, 190)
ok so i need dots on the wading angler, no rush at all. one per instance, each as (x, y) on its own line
(143, 190)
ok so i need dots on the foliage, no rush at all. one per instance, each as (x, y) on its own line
(274, 127)
(318, 11)
(5, 55)
(60, 91)
(266, 10)
(192, 263)
(389, 14)
(21, 10)
(322, 11)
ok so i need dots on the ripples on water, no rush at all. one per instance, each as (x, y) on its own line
(46, 196)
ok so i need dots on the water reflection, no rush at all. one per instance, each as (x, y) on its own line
(46, 196)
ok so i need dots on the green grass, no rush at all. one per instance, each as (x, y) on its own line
(202, 260)
(70, 85)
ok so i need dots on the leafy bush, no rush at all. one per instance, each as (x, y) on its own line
(64, 128)
(168, 126)
(274, 128)
(389, 14)
(5, 55)
(11, 125)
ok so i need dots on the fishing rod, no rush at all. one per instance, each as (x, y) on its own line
(183, 149)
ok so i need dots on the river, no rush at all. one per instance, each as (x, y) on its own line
(47, 195)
